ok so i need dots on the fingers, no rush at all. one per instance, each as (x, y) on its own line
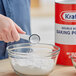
(19, 29)
(15, 34)
(4, 38)
(9, 30)
(10, 37)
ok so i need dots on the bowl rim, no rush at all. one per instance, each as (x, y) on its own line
(57, 51)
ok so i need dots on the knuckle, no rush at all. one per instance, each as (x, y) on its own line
(6, 41)
(8, 18)
(5, 30)
(18, 38)
(11, 40)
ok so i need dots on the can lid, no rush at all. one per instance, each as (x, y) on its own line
(66, 1)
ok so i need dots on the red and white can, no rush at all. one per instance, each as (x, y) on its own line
(65, 30)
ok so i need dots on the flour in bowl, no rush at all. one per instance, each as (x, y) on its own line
(33, 65)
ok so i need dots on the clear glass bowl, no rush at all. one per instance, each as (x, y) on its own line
(30, 59)
(73, 60)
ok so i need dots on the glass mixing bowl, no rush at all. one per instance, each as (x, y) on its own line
(30, 59)
(73, 60)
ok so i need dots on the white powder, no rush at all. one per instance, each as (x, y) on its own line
(34, 65)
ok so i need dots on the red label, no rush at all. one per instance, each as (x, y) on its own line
(68, 16)
(65, 53)
(65, 14)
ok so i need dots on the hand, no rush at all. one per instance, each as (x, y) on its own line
(9, 30)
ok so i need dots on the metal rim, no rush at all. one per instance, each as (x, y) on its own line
(35, 35)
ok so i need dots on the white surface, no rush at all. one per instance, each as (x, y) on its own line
(45, 27)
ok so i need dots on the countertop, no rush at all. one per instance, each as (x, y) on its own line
(6, 70)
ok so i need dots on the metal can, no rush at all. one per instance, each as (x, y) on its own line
(65, 30)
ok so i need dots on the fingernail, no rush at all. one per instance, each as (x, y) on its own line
(12, 41)
(18, 39)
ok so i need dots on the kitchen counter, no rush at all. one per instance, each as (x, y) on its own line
(6, 70)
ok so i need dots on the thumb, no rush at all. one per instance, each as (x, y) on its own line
(19, 29)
